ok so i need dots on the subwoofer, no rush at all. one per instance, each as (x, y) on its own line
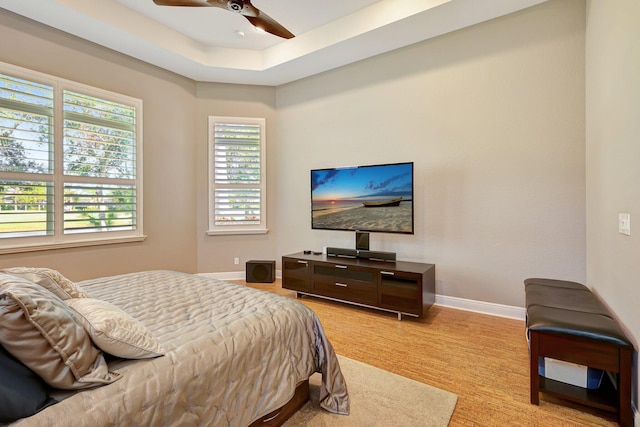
(261, 271)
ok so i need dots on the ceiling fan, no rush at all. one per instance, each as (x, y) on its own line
(258, 18)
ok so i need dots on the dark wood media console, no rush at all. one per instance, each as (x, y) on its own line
(405, 288)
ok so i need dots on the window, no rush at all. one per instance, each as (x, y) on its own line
(237, 176)
(70, 158)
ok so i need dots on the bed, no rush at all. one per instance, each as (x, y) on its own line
(214, 354)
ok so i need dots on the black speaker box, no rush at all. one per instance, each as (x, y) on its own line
(261, 271)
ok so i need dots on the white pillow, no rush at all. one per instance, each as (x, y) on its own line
(51, 280)
(114, 331)
(41, 331)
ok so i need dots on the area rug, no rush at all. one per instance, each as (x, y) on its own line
(378, 398)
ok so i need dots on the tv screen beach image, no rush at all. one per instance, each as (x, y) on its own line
(367, 198)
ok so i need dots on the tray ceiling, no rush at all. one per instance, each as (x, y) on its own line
(214, 45)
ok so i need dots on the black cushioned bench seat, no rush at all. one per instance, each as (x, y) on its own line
(566, 321)
(590, 325)
(567, 299)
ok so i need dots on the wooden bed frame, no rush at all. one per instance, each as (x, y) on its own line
(282, 414)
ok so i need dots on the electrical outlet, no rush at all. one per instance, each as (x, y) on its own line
(236, 260)
(624, 223)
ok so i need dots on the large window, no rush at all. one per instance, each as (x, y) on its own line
(70, 163)
(237, 176)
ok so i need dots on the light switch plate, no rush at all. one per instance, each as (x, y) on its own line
(624, 223)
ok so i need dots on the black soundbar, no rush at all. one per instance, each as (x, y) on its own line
(350, 253)
(377, 255)
(360, 253)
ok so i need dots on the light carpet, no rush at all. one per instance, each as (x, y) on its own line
(378, 398)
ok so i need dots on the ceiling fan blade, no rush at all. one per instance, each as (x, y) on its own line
(181, 3)
(258, 18)
(268, 24)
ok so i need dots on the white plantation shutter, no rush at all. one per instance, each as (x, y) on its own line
(70, 158)
(26, 158)
(100, 152)
(237, 184)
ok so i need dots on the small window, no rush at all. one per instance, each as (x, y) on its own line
(237, 176)
(70, 158)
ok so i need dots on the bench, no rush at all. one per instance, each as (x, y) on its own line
(566, 321)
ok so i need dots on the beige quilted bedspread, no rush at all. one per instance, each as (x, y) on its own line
(233, 354)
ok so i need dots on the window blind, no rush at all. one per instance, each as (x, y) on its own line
(69, 160)
(237, 174)
(99, 147)
(26, 157)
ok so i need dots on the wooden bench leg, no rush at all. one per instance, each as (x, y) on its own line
(534, 378)
(619, 359)
(625, 413)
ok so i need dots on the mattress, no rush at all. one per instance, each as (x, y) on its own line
(233, 354)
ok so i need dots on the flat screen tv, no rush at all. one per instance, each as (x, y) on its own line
(375, 198)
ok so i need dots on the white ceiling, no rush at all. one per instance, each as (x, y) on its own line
(203, 43)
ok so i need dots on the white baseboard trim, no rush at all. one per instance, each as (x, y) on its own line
(233, 275)
(228, 275)
(483, 307)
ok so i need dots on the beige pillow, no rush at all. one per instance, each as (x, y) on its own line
(41, 331)
(49, 279)
(114, 331)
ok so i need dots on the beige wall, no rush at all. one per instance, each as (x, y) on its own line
(216, 253)
(492, 116)
(613, 150)
(169, 149)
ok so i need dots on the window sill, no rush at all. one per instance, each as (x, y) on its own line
(236, 231)
(70, 244)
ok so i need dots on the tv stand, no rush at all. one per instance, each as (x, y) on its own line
(405, 288)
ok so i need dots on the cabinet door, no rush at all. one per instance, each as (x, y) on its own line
(296, 274)
(401, 291)
(345, 282)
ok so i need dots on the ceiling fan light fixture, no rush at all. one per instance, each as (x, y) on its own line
(235, 5)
